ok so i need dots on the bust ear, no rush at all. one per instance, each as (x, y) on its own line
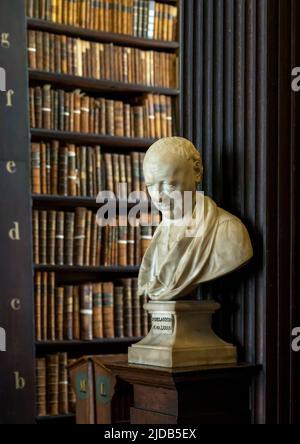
(198, 169)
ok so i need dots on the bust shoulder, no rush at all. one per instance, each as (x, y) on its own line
(232, 247)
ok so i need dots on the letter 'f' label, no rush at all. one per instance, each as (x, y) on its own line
(14, 233)
(20, 381)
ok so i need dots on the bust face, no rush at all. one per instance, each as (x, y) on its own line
(164, 174)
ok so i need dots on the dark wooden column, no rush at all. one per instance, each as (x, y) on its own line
(17, 403)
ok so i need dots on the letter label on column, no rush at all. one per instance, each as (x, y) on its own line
(2, 340)
(11, 167)
(9, 95)
(20, 381)
(14, 233)
(5, 43)
(15, 304)
(2, 79)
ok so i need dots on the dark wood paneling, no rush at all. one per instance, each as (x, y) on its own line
(242, 116)
(295, 218)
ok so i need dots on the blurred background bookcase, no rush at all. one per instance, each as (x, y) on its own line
(18, 25)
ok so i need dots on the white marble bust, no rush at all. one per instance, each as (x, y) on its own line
(174, 265)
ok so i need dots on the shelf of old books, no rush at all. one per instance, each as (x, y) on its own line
(103, 86)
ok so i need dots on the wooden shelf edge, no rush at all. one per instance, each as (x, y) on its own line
(86, 269)
(88, 138)
(100, 36)
(96, 342)
(91, 84)
(43, 200)
(56, 418)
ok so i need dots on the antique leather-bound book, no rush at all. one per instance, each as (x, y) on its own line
(86, 312)
(83, 171)
(63, 171)
(97, 311)
(51, 307)
(136, 309)
(119, 312)
(79, 239)
(93, 248)
(88, 233)
(68, 313)
(43, 168)
(44, 305)
(52, 384)
(38, 305)
(130, 245)
(51, 232)
(43, 237)
(63, 404)
(71, 175)
(127, 306)
(54, 167)
(36, 237)
(69, 238)
(76, 313)
(41, 387)
(59, 244)
(90, 172)
(59, 313)
(108, 309)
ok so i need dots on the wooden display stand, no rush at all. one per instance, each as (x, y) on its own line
(101, 397)
(202, 395)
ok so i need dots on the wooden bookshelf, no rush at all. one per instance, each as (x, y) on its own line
(97, 270)
(103, 37)
(21, 357)
(128, 143)
(94, 85)
(40, 200)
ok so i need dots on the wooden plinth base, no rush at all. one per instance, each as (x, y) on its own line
(196, 395)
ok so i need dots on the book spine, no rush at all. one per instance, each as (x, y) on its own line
(63, 384)
(38, 306)
(69, 239)
(43, 237)
(128, 327)
(59, 313)
(136, 310)
(79, 239)
(88, 233)
(52, 384)
(68, 313)
(76, 314)
(119, 312)
(86, 312)
(72, 177)
(54, 167)
(51, 307)
(97, 312)
(108, 309)
(59, 244)
(41, 389)
(51, 231)
(36, 237)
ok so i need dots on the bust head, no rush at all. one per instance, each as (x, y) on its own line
(171, 164)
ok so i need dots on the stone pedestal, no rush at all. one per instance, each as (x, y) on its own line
(181, 336)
